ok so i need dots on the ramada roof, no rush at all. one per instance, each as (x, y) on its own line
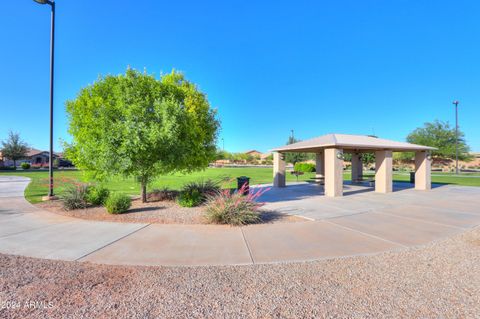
(351, 143)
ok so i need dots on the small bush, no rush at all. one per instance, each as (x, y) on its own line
(162, 194)
(25, 165)
(117, 203)
(234, 208)
(97, 195)
(304, 167)
(189, 198)
(75, 197)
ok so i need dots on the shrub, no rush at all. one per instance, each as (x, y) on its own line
(162, 194)
(204, 187)
(196, 193)
(117, 203)
(189, 199)
(97, 195)
(25, 165)
(74, 197)
(304, 167)
(225, 207)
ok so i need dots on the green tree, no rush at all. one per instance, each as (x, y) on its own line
(14, 148)
(442, 136)
(368, 158)
(222, 155)
(294, 157)
(136, 125)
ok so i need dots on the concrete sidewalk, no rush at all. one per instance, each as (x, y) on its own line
(387, 224)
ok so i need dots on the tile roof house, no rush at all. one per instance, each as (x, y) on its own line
(34, 157)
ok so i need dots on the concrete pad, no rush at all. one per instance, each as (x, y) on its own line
(19, 223)
(308, 241)
(17, 205)
(177, 245)
(12, 186)
(436, 215)
(66, 241)
(456, 206)
(397, 229)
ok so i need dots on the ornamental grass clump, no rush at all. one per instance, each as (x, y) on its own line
(75, 197)
(225, 207)
(196, 193)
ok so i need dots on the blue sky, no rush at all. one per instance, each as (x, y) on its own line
(317, 67)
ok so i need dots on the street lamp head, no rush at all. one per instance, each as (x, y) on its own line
(43, 1)
(455, 102)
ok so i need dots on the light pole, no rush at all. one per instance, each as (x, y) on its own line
(223, 144)
(52, 60)
(456, 135)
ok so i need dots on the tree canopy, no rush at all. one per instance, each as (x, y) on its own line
(14, 148)
(136, 125)
(442, 136)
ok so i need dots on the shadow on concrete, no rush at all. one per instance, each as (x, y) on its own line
(270, 216)
(308, 190)
(144, 209)
(290, 193)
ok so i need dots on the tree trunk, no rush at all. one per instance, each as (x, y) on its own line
(144, 191)
(14, 164)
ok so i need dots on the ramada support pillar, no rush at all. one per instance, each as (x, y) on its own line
(278, 170)
(383, 172)
(333, 172)
(423, 178)
(357, 167)
(320, 166)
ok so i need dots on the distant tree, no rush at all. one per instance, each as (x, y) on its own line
(347, 157)
(292, 157)
(442, 136)
(368, 158)
(222, 155)
(136, 125)
(14, 148)
(403, 156)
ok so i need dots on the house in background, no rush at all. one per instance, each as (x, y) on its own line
(36, 158)
(257, 154)
(253, 153)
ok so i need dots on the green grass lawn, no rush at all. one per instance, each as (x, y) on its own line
(39, 185)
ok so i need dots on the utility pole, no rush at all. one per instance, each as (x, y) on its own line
(456, 135)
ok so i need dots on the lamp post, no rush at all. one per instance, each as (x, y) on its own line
(456, 135)
(52, 55)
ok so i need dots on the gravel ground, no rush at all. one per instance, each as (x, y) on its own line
(437, 280)
(160, 212)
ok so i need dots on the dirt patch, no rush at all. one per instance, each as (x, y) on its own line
(159, 212)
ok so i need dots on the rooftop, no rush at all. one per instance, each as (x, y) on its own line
(351, 143)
